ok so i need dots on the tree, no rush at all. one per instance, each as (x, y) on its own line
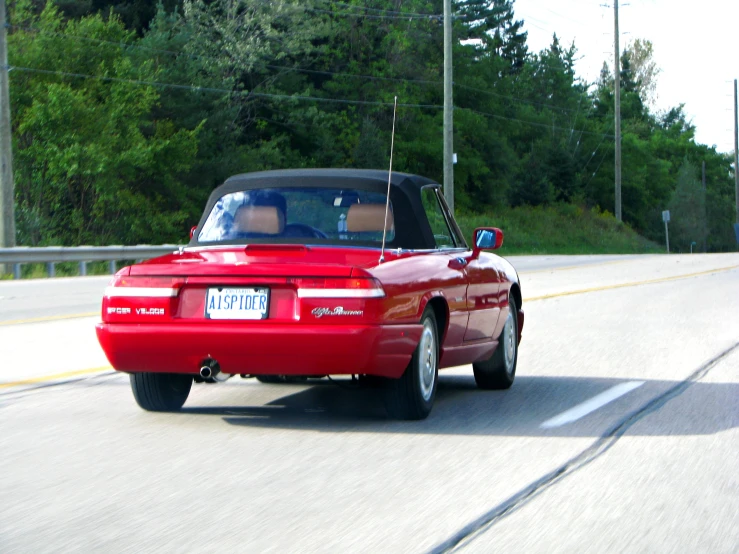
(92, 165)
(687, 210)
(643, 70)
(493, 25)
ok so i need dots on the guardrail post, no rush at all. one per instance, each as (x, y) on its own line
(16, 271)
(83, 268)
(51, 269)
(111, 267)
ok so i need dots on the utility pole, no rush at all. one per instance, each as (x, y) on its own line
(736, 154)
(617, 109)
(705, 211)
(448, 108)
(7, 196)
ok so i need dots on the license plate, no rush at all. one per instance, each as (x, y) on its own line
(237, 303)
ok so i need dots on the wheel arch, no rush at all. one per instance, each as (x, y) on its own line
(516, 293)
(441, 311)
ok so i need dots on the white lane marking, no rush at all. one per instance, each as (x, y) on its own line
(581, 410)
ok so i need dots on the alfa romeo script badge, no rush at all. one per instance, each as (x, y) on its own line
(338, 310)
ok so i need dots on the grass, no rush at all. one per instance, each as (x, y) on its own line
(559, 229)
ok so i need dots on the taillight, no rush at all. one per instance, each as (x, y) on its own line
(312, 287)
(151, 287)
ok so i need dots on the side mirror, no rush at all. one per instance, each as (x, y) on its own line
(192, 231)
(486, 238)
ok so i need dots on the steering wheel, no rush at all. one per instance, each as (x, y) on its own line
(303, 230)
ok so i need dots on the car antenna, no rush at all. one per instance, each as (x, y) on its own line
(389, 178)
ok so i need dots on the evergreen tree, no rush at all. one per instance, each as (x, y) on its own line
(493, 25)
(687, 210)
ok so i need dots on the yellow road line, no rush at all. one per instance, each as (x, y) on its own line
(631, 284)
(46, 378)
(48, 318)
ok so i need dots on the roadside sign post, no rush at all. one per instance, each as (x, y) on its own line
(666, 219)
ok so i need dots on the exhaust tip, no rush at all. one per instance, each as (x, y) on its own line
(206, 372)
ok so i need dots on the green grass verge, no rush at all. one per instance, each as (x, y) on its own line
(559, 229)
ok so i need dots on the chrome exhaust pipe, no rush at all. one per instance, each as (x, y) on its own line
(210, 371)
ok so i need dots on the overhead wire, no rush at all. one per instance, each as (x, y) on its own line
(290, 68)
(253, 94)
(218, 90)
(533, 123)
(428, 17)
(380, 10)
(250, 94)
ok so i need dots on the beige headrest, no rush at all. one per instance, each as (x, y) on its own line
(367, 217)
(258, 219)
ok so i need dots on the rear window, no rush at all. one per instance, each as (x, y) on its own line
(291, 214)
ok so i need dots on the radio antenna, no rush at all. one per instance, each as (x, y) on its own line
(389, 178)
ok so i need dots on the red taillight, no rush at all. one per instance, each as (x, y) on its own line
(331, 287)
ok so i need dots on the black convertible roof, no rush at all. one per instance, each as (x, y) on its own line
(369, 179)
(412, 227)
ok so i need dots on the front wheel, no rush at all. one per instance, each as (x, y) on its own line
(412, 396)
(499, 371)
(160, 392)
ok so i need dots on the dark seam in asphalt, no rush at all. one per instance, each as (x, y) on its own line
(471, 531)
(38, 386)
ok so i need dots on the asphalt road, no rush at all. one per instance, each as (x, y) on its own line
(619, 435)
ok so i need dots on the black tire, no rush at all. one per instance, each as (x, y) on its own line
(499, 371)
(161, 392)
(412, 396)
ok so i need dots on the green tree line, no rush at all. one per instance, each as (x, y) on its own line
(126, 114)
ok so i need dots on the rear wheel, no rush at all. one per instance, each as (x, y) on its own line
(412, 396)
(499, 371)
(160, 392)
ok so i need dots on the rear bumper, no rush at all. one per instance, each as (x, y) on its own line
(278, 349)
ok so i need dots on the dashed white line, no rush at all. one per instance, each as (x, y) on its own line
(581, 410)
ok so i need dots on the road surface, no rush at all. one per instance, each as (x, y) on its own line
(619, 435)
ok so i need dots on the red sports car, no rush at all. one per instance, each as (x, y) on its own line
(318, 272)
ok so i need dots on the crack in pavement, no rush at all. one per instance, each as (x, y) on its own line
(476, 528)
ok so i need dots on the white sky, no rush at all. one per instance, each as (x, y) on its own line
(696, 44)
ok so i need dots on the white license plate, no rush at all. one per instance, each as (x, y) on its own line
(237, 303)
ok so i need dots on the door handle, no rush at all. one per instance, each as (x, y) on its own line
(458, 263)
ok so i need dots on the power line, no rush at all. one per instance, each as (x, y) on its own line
(535, 124)
(249, 94)
(219, 90)
(596, 169)
(289, 68)
(428, 17)
(380, 10)
(512, 98)
(211, 58)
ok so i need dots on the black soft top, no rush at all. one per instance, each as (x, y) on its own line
(412, 229)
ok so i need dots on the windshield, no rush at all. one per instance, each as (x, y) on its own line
(291, 214)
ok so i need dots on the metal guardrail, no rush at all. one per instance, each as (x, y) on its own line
(51, 255)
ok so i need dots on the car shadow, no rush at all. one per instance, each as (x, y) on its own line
(463, 409)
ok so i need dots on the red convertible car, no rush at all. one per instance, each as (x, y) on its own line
(318, 272)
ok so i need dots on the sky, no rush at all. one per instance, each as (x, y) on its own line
(696, 45)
